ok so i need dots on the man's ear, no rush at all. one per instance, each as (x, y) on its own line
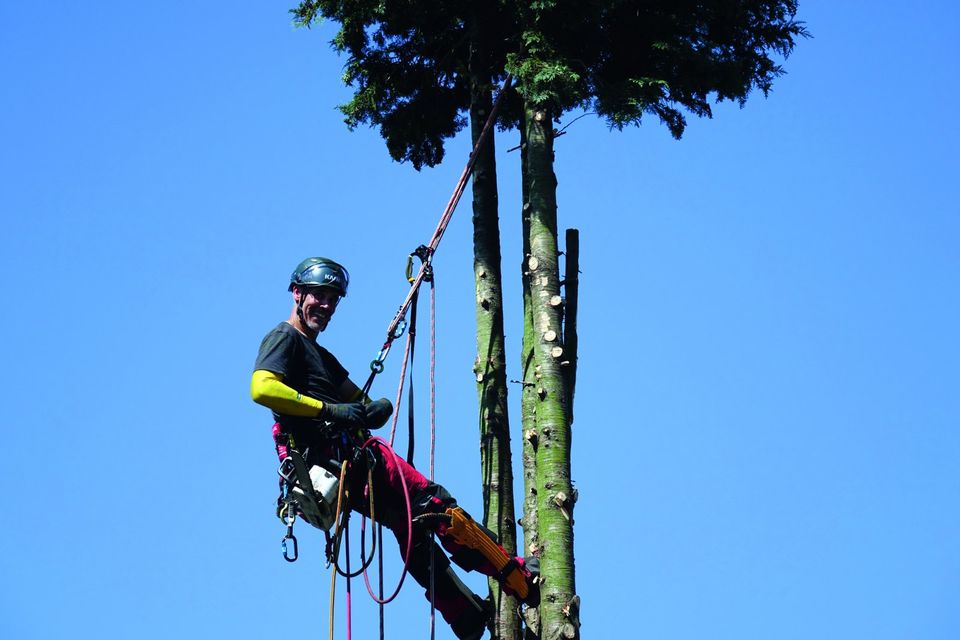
(297, 292)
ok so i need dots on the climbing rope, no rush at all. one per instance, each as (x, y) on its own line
(339, 519)
(433, 445)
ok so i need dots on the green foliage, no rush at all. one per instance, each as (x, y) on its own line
(545, 78)
(409, 60)
(669, 57)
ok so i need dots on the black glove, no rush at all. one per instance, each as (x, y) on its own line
(377, 413)
(347, 414)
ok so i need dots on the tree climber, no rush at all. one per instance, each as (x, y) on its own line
(314, 403)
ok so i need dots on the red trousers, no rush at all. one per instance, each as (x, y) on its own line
(395, 482)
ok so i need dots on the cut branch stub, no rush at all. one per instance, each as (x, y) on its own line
(560, 499)
(533, 263)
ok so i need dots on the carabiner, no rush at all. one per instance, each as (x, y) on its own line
(286, 551)
(423, 252)
(328, 548)
(401, 327)
(409, 272)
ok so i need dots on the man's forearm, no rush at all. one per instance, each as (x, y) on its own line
(267, 388)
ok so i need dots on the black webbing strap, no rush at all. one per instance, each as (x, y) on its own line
(412, 336)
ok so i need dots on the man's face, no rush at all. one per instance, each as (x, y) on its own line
(319, 303)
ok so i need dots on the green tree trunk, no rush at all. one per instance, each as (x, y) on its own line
(490, 366)
(559, 607)
(528, 400)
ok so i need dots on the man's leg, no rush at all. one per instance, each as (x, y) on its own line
(463, 610)
(473, 546)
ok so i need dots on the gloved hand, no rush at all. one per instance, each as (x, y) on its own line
(377, 413)
(347, 414)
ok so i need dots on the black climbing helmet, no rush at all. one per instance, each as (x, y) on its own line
(320, 272)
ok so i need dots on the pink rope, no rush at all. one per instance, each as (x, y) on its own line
(433, 378)
(403, 375)
(433, 436)
(346, 535)
(406, 556)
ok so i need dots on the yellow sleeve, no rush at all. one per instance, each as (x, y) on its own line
(267, 388)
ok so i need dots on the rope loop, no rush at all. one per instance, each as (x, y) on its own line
(406, 494)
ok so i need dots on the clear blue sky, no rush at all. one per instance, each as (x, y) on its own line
(767, 437)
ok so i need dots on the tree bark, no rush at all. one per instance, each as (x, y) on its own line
(528, 413)
(559, 607)
(490, 366)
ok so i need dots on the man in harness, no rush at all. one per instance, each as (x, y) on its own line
(319, 411)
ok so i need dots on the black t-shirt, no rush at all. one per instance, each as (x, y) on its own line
(305, 366)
